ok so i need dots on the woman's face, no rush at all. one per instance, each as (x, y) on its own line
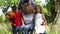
(38, 9)
(27, 10)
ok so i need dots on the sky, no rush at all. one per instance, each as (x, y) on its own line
(42, 2)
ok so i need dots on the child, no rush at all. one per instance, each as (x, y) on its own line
(16, 19)
(40, 21)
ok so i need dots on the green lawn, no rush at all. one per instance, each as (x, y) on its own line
(5, 28)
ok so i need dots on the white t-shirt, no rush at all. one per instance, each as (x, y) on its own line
(28, 18)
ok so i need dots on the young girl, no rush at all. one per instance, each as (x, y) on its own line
(40, 21)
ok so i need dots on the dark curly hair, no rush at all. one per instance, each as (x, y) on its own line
(26, 1)
(14, 7)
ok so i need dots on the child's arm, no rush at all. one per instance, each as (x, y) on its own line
(45, 22)
(23, 22)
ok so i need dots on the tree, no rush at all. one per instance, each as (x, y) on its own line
(51, 9)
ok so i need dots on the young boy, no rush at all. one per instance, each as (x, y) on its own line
(16, 19)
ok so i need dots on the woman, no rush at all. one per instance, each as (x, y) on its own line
(28, 18)
(22, 2)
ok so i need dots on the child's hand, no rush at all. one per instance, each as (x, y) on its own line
(43, 23)
(23, 24)
(14, 24)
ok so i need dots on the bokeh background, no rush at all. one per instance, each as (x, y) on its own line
(50, 8)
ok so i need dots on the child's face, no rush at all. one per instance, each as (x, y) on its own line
(37, 9)
(16, 8)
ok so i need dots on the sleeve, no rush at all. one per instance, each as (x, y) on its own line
(21, 14)
(33, 4)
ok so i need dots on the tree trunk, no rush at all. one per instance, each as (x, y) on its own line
(56, 27)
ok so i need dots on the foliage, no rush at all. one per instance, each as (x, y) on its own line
(7, 4)
(51, 9)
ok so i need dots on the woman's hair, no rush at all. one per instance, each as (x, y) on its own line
(39, 7)
(29, 8)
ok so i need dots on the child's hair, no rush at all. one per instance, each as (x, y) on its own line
(14, 7)
(26, 1)
(40, 9)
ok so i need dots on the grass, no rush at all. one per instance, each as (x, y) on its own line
(5, 28)
(52, 32)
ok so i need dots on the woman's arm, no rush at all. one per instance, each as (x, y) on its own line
(34, 19)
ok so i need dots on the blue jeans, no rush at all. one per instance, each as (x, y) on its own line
(26, 29)
(21, 29)
(45, 32)
(15, 30)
